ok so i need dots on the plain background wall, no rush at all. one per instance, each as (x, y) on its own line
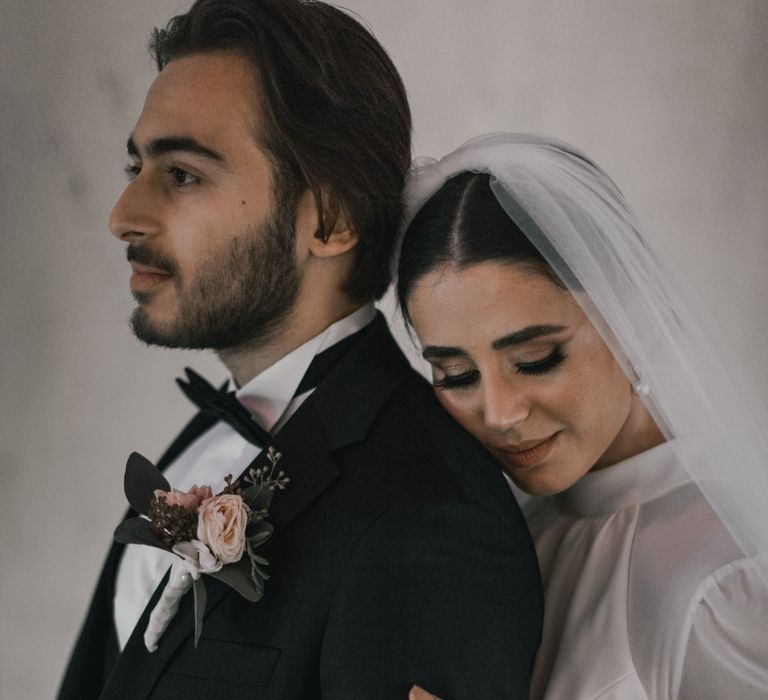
(670, 97)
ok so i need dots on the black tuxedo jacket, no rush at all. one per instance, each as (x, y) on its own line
(399, 556)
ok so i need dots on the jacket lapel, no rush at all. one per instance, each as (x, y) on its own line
(311, 469)
(339, 413)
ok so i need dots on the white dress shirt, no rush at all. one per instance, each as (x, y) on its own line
(219, 452)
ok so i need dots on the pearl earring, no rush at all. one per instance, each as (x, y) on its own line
(639, 384)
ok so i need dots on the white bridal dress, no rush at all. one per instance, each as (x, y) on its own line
(647, 595)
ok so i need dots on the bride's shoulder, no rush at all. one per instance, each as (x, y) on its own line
(682, 529)
(725, 649)
(682, 555)
(733, 584)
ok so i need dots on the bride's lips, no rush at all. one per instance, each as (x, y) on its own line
(528, 453)
(145, 277)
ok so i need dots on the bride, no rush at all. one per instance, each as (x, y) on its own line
(559, 340)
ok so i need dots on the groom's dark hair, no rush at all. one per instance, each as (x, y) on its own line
(335, 111)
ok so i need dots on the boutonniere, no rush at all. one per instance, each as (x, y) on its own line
(216, 535)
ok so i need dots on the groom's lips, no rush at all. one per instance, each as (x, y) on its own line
(528, 453)
(145, 277)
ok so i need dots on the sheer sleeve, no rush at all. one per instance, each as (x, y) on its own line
(727, 650)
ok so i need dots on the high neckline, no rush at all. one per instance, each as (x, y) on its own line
(639, 479)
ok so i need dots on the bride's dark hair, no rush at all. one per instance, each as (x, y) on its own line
(463, 224)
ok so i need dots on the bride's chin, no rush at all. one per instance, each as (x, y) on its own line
(540, 481)
(535, 488)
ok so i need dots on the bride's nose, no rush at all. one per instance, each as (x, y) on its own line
(505, 405)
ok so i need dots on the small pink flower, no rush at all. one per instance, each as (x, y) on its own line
(221, 525)
(190, 500)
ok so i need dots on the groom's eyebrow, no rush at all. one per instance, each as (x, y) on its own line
(526, 334)
(175, 144)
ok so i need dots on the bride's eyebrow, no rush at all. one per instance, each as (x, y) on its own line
(526, 334)
(436, 352)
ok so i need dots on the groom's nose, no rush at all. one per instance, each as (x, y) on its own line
(134, 217)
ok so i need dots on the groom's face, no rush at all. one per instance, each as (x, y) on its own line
(213, 266)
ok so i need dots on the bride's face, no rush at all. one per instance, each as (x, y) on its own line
(519, 365)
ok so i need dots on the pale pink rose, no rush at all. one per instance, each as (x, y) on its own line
(190, 500)
(221, 525)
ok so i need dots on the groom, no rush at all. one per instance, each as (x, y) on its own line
(262, 207)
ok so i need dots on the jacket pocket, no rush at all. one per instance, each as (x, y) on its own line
(217, 669)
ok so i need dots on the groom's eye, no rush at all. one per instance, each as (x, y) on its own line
(181, 177)
(132, 170)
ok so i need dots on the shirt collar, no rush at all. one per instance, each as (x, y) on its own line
(269, 393)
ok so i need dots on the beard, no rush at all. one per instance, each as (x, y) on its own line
(238, 297)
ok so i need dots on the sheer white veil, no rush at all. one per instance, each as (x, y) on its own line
(657, 330)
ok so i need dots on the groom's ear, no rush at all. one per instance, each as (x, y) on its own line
(334, 234)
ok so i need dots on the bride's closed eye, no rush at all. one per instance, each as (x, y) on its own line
(546, 364)
(454, 373)
(469, 377)
(456, 381)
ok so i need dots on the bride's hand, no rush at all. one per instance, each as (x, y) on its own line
(421, 694)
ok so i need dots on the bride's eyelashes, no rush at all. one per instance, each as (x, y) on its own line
(466, 379)
(456, 381)
(547, 364)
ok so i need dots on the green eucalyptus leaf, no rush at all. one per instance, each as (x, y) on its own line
(141, 480)
(138, 531)
(258, 497)
(237, 576)
(199, 593)
(259, 534)
(258, 577)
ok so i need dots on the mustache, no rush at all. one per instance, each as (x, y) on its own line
(146, 256)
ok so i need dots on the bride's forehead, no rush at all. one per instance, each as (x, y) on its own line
(492, 282)
(488, 297)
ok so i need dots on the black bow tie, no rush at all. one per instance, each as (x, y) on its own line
(224, 406)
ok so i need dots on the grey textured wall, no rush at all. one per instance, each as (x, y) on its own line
(670, 97)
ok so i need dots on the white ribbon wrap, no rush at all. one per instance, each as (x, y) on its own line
(195, 559)
(179, 582)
